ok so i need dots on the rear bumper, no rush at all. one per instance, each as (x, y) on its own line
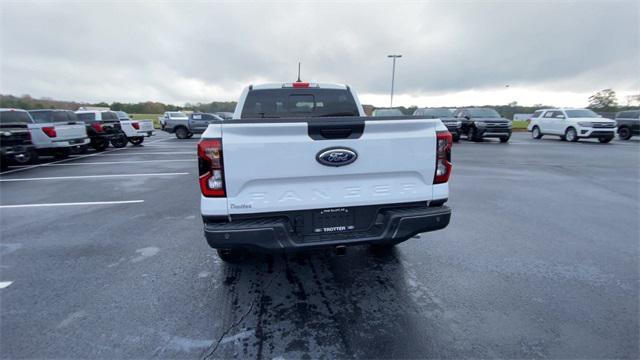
(275, 234)
(107, 136)
(67, 143)
(141, 133)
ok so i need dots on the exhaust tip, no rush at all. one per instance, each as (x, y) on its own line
(341, 250)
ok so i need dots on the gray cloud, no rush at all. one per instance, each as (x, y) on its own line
(203, 51)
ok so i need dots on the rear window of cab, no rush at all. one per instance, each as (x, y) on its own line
(288, 102)
(21, 117)
(53, 116)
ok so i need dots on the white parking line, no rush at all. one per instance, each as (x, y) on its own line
(4, 284)
(72, 204)
(123, 162)
(92, 176)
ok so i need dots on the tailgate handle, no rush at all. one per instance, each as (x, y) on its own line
(332, 130)
(336, 133)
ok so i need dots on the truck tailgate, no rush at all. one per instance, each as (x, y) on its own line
(272, 166)
(64, 131)
(71, 131)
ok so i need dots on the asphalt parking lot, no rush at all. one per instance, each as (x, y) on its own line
(540, 260)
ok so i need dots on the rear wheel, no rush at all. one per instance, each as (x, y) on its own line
(136, 140)
(456, 137)
(230, 256)
(535, 133)
(624, 133)
(119, 142)
(27, 157)
(182, 133)
(99, 144)
(571, 135)
(605, 140)
(4, 163)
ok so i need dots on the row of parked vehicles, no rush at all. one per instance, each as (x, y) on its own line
(473, 123)
(569, 124)
(26, 135)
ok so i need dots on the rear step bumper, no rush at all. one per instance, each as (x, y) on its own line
(276, 234)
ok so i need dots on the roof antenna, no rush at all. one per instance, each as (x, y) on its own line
(298, 73)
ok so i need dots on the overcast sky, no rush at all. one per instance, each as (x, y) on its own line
(454, 53)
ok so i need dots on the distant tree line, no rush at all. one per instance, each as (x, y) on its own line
(603, 101)
(148, 107)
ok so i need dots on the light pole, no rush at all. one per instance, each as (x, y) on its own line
(393, 74)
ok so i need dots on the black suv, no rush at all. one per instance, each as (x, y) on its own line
(628, 123)
(479, 123)
(15, 140)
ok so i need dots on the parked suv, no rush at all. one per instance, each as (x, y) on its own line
(479, 123)
(446, 116)
(628, 123)
(102, 127)
(15, 140)
(196, 123)
(572, 124)
(57, 132)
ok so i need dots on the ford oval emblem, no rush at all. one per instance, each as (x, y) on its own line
(337, 156)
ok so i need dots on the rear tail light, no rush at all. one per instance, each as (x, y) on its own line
(443, 157)
(50, 131)
(97, 127)
(211, 168)
(135, 125)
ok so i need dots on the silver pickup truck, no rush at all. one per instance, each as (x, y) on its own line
(185, 127)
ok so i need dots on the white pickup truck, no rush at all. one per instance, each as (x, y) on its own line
(300, 166)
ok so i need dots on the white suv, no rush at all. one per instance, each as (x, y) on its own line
(571, 125)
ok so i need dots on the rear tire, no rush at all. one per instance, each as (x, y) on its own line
(456, 137)
(119, 142)
(535, 133)
(29, 157)
(99, 144)
(624, 133)
(182, 133)
(605, 140)
(571, 134)
(230, 256)
(136, 141)
(4, 163)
